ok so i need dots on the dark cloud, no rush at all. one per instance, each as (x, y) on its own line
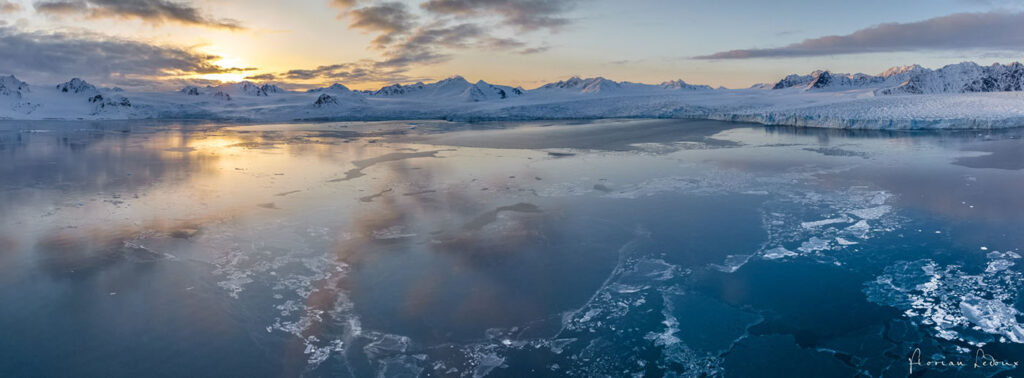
(523, 14)
(153, 11)
(9, 7)
(391, 20)
(357, 72)
(429, 44)
(496, 43)
(458, 36)
(995, 30)
(262, 77)
(534, 50)
(406, 40)
(412, 56)
(58, 56)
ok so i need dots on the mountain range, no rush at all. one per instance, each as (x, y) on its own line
(900, 97)
(955, 78)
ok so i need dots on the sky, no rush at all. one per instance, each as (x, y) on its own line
(365, 44)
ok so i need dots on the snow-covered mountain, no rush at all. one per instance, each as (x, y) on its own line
(11, 87)
(962, 78)
(271, 89)
(333, 88)
(903, 72)
(246, 88)
(110, 102)
(191, 90)
(76, 86)
(827, 80)
(795, 80)
(822, 98)
(576, 84)
(603, 86)
(914, 79)
(454, 88)
(679, 84)
(483, 91)
(225, 91)
(325, 100)
(217, 93)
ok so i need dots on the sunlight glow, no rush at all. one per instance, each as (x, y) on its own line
(228, 77)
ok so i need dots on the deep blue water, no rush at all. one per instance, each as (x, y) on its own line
(605, 248)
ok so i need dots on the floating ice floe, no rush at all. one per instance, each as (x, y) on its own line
(976, 309)
(872, 213)
(778, 253)
(824, 222)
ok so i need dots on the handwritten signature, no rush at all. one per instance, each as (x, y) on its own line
(981, 360)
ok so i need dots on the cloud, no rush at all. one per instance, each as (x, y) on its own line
(428, 44)
(9, 7)
(390, 19)
(994, 30)
(262, 77)
(59, 56)
(343, 3)
(523, 14)
(365, 71)
(406, 39)
(152, 11)
(534, 50)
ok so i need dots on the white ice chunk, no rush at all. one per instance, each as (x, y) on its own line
(842, 241)
(872, 213)
(993, 316)
(814, 244)
(824, 222)
(778, 253)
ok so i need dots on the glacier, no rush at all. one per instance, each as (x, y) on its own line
(958, 96)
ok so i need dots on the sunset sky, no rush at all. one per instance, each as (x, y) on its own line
(365, 44)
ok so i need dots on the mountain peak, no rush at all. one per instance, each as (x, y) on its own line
(899, 70)
(588, 85)
(249, 88)
(680, 84)
(454, 79)
(76, 85)
(11, 86)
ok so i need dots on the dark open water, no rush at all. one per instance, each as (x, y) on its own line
(609, 248)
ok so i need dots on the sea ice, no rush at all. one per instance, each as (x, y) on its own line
(872, 213)
(778, 253)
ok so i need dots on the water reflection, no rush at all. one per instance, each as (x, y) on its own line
(354, 249)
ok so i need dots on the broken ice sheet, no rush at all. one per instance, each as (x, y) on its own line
(973, 308)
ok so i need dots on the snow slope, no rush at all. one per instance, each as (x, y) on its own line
(909, 97)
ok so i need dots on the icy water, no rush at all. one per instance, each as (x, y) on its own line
(606, 248)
